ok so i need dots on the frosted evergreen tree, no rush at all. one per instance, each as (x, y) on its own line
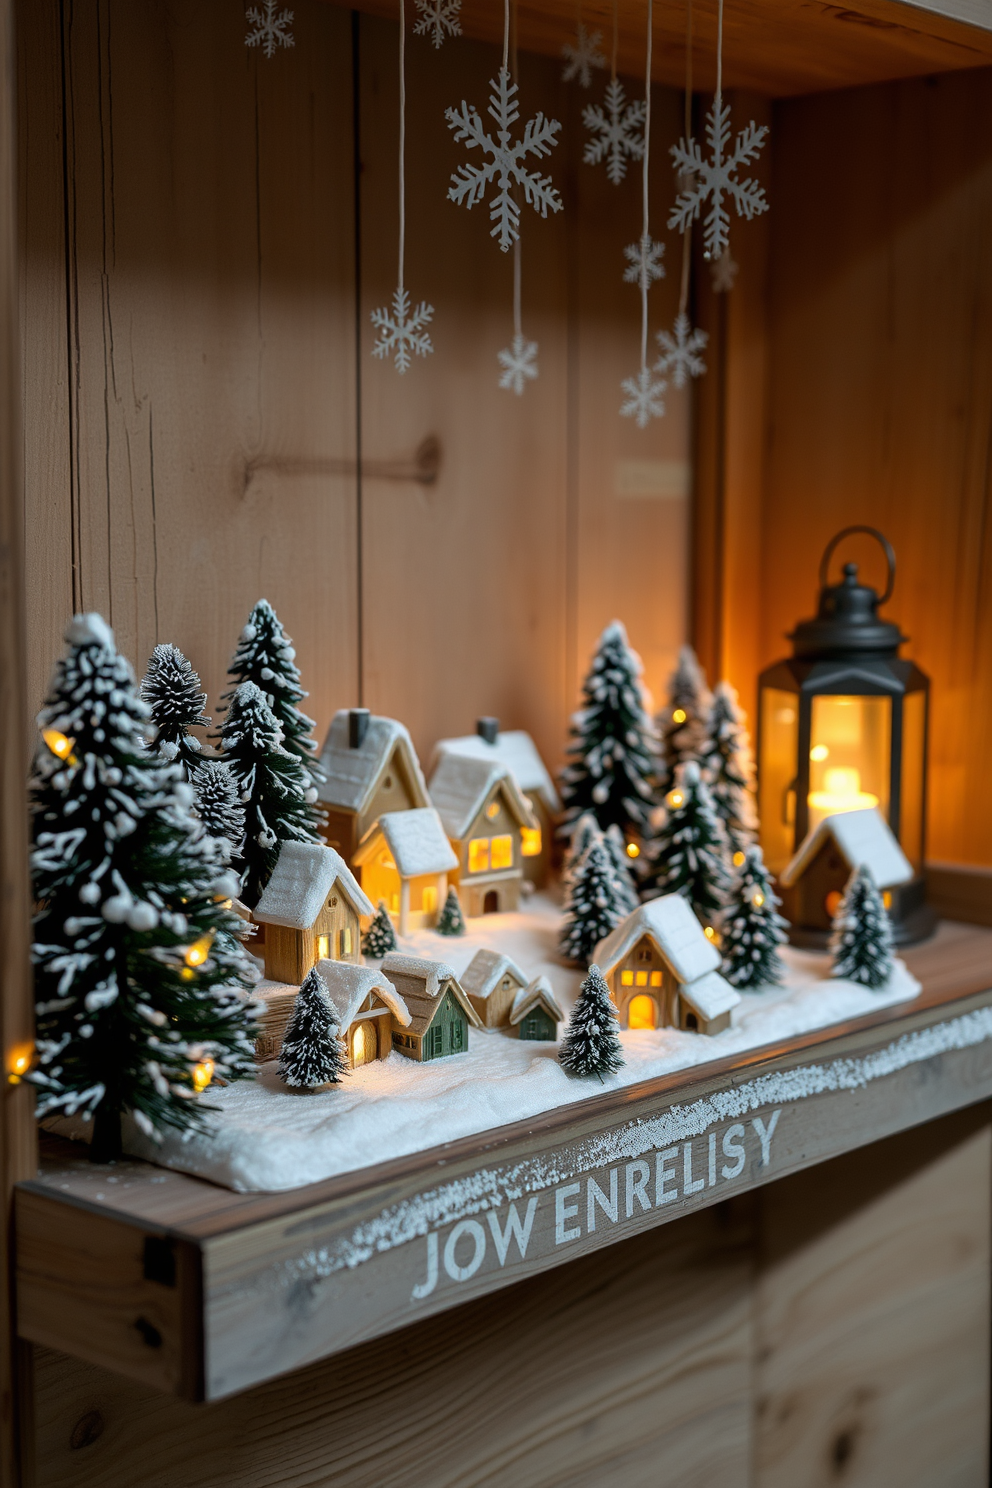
(585, 831)
(451, 921)
(727, 768)
(591, 1045)
(175, 696)
(265, 656)
(380, 938)
(611, 767)
(681, 724)
(312, 1053)
(752, 929)
(594, 905)
(862, 936)
(617, 849)
(219, 806)
(273, 786)
(687, 853)
(140, 972)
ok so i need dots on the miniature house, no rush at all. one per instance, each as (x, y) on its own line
(440, 1012)
(517, 751)
(311, 908)
(813, 883)
(663, 972)
(491, 982)
(370, 767)
(405, 860)
(368, 1006)
(484, 814)
(535, 1012)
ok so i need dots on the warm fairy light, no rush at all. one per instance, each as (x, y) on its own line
(674, 799)
(679, 716)
(19, 1060)
(197, 953)
(757, 898)
(738, 859)
(187, 973)
(203, 1073)
(59, 744)
(819, 752)
(709, 932)
(633, 851)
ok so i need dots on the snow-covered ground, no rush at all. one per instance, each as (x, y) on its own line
(267, 1137)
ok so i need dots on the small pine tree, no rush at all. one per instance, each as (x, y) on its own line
(591, 1045)
(594, 905)
(265, 656)
(380, 938)
(862, 937)
(681, 724)
(584, 833)
(727, 768)
(611, 747)
(687, 854)
(617, 849)
(218, 805)
(752, 929)
(451, 921)
(273, 786)
(312, 1053)
(176, 699)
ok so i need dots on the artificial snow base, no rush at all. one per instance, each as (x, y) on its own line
(266, 1137)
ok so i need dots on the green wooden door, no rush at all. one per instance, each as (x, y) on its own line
(448, 1033)
(537, 1025)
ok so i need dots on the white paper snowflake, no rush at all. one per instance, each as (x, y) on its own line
(723, 272)
(270, 30)
(716, 178)
(680, 352)
(581, 56)
(620, 128)
(402, 334)
(644, 262)
(643, 398)
(469, 182)
(519, 363)
(437, 18)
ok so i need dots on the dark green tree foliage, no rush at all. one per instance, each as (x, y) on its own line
(451, 921)
(380, 938)
(752, 930)
(585, 831)
(273, 786)
(176, 699)
(312, 1053)
(591, 1045)
(218, 805)
(617, 849)
(611, 767)
(140, 973)
(687, 854)
(727, 768)
(594, 905)
(862, 937)
(681, 723)
(265, 656)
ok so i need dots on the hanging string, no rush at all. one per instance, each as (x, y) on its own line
(517, 317)
(645, 238)
(506, 34)
(402, 140)
(613, 57)
(687, 235)
(719, 50)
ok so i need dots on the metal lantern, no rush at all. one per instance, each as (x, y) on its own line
(842, 725)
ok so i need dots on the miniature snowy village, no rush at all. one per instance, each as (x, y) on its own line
(268, 964)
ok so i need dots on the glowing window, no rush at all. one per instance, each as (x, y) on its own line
(323, 947)
(832, 902)
(502, 851)
(394, 903)
(344, 941)
(478, 855)
(656, 979)
(428, 899)
(530, 841)
(642, 1012)
(641, 980)
(626, 979)
(492, 810)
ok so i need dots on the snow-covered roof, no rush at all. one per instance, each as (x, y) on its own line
(420, 983)
(352, 774)
(865, 839)
(304, 875)
(486, 969)
(710, 995)
(676, 932)
(460, 786)
(517, 751)
(416, 839)
(348, 986)
(538, 991)
(433, 974)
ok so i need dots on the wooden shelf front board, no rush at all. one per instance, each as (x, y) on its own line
(202, 1292)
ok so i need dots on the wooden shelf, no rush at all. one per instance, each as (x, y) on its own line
(203, 1292)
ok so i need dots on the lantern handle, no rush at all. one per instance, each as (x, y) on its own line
(883, 541)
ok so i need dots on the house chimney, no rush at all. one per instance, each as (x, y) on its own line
(358, 727)
(488, 729)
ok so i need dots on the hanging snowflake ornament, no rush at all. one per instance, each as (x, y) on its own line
(269, 30)
(717, 178)
(519, 363)
(581, 56)
(402, 335)
(680, 352)
(643, 398)
(620, 127)
(438, 18)
(723, 272)
(644, 262)
(469, 182)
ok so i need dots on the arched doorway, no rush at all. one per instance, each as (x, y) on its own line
(364, 1043)
(642, 1012)
(490, 904)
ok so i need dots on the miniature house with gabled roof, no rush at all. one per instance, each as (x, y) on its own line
(311, 908)
(535, 1012)
(405, 860)
(370, 767)
(484, 814)
(813, 883)
(368, 1007)
(440, 1012)
(517, 751)
(491, 982)
(663, 972)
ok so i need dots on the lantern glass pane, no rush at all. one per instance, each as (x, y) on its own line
(777, 775)
(914, 717)
(850, 740)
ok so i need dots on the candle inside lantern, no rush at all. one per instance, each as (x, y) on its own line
(842, 792)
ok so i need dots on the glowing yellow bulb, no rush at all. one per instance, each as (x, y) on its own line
(738, 859)
(679, 716)
(197, 953)
(60, 745)
(203, 1073)
(757, 898)
(709, 932)
(187, 973)
(675, 799)
(633, 851)
(819, 752)
(19, 1060)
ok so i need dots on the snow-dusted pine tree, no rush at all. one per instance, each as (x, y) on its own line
(611, 767)
(175, 696)
(140, 973)
(752, 930)
(617, 849)
(687, 854)
(727, 768)
(451, 921)
(681, 723)
(594, 904)
(591, 1045)
(273, 786)
(312, 1053)
(584, 833)
(862, 938)
(265, 656)
(380, 938)
(218, 805)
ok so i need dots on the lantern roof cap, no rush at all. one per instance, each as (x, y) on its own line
(847, 622)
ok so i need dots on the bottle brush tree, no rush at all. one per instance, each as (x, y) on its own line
(687, 853)
(584, 832)
(591, 1045)
(265, 655)
(175, 697)
(312, 1053)
(862, 936)
(380, 938)
(219, 806)
(594, 905)
(752, 929)
(727, 767)
(451, 921)
(681, 723)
